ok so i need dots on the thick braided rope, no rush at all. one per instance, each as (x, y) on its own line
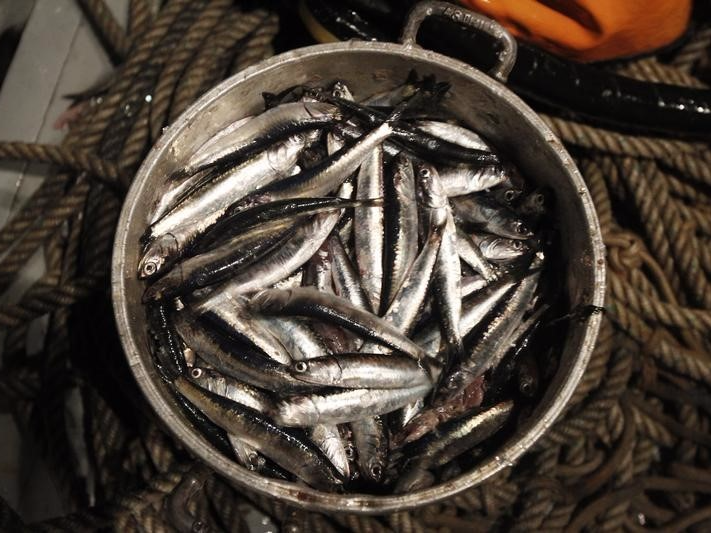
(61, 156)
(110, 30)
(694, 50)
(194, 38)
(139, 18)
(229, 32)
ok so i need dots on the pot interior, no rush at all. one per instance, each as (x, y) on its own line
(480, 103)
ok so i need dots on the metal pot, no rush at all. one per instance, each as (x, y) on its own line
(482, 103)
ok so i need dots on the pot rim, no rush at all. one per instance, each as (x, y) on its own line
(304, 496)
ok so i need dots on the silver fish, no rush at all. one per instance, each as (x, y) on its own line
(328, 439)
(172, 235)
(490, 216)
(496, 335)
(229, 311)
(290, 449)
(344, 406)
(368, 227)
(371, 442)
(463, 179)
(261, 130)
(474, 310)
(500, 248)
(298, 249)
(470, 253)
(331, 172)
(345, 276)
(448, 270)
(400, 228)
(297, 337)
(233, 389)
(361, 370)
(311, 303)
(252, 368)
(454, 134)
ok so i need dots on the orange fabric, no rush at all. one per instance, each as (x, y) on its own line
(590, 30)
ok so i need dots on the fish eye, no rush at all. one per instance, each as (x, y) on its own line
(509, 195)
(425, 172)
(350, 452)
(539, 199)
(301, 366)
(150, 268)
(338, 93)
(196, 373)
(518, 245)
(376, 471)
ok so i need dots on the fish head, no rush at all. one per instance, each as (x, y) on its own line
(489, 177)
(375, 468)
(320, 110)
(158, 254)
(430, 188)
(283, 156)
(502, 248)
(269, 300)
(341, 90)
(520, 229)
(321, 371)
(297, 411)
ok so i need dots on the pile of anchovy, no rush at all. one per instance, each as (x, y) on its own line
(344, 292)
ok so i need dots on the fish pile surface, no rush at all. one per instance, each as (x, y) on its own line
(344, 290)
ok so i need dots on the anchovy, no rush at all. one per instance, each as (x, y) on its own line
(474, 310)
(371, 442)
(345, 277)
(408, 301)
(420, 142)
(239, 222)
(454, 133)
(246, 455)
(472, 284)
(296, 251)
(232, 389)
(290, 449)
(328, 439)
(400, 228)
(368, 227)
(271, 126)
(228, 312)
(361, 370)
(500, 248)
(317, 272)
(297, 337)
(344, 405)
(495, 337)
(295, 279)
(462, 180)
(330, 173)
(218, 264)
(490, 216)
(472, 255)
(459, 436)
(236, 361)
(171, 236)
(447, 290)
(311, 303)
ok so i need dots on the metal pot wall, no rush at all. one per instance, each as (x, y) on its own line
(480, 102)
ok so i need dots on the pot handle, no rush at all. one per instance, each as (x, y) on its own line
(428, 8)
